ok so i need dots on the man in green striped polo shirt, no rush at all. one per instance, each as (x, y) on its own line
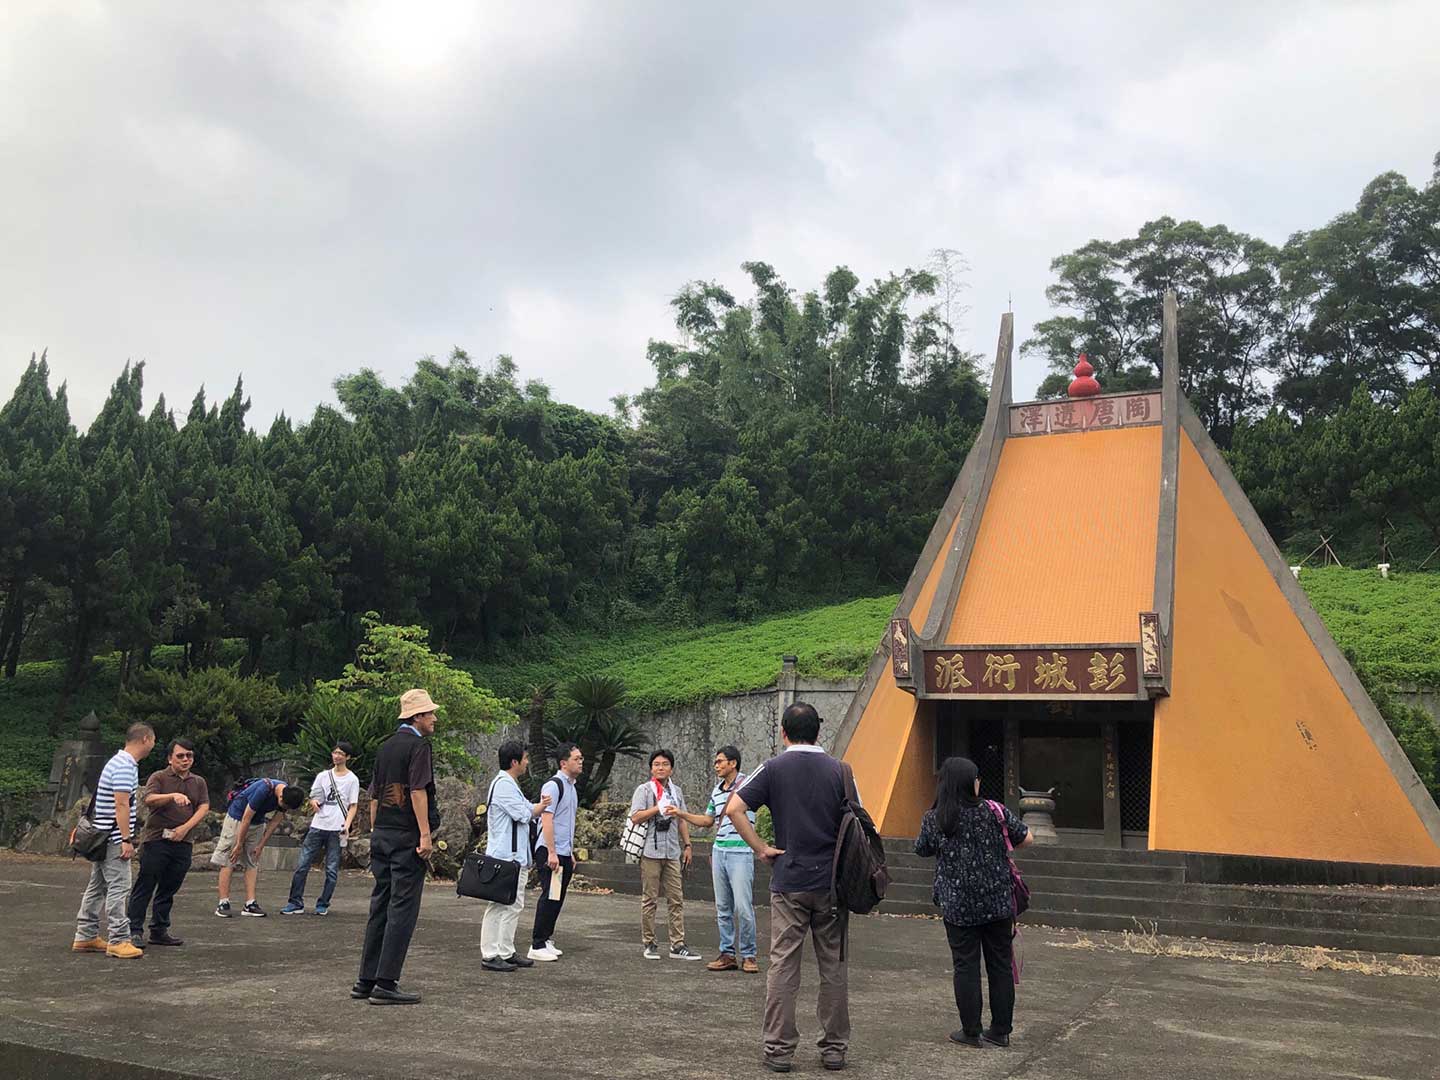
(732, 868)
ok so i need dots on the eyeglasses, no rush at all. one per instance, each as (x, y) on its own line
(183, 756)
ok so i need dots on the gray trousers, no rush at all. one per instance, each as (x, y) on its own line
(109, 887)
(791, 916)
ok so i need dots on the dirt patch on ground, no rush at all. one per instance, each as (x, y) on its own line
(1146, 942)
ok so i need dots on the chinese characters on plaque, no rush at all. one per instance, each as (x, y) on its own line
(1088, 414)
(900, 649)
(1150, 659)
(1083, 671)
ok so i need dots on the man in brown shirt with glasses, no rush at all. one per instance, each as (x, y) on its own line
(177, 800)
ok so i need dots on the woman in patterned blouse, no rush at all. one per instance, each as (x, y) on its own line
(972, 890)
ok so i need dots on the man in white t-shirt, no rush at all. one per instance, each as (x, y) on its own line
(335, 793)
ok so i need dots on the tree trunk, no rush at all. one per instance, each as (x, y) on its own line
(12, 631)
(535, 719)
(255, 646)
(12, 627)
(77, 669)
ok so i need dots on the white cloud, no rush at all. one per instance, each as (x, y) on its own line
(302, 190)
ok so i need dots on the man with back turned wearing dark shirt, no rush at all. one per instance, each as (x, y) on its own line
(402, 820)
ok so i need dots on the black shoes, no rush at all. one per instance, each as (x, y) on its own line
(833, 1064)
(361, 990)
(499, 964)
(162, 937)
(990, 1036)
(778, 1064)
(520, 961)
(382, 996)
(963, 1039)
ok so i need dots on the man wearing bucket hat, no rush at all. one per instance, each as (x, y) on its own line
(402, 820)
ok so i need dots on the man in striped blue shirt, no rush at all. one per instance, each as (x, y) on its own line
(732, 867)
(109, 884)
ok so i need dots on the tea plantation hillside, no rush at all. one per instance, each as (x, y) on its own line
(1392, 626)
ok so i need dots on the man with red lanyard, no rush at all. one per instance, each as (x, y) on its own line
(667, 850)
(732, 868)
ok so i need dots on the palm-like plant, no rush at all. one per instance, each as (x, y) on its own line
(593, 715)
(363, 720)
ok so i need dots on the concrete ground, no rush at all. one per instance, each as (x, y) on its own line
(267, 998)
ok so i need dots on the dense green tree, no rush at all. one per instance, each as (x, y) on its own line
(39, 480)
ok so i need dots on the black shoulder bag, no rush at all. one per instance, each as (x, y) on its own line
(483, 877)
(89, 840)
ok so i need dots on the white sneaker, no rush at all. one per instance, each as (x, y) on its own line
(545, 955)
(554, 948)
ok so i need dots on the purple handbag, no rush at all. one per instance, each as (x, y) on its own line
(1019, 891)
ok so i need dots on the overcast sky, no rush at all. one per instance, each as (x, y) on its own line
(291, 192)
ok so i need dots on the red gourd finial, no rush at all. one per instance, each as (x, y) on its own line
(1084, 383)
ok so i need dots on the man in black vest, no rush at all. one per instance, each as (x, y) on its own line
(402, 819)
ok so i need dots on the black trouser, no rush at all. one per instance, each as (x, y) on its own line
(163, 866)
(394, 903)
(547, 911)
(996, 940)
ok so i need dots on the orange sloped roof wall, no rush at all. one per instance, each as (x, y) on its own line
(889, 741)
(1066, 547)
(1257, 750)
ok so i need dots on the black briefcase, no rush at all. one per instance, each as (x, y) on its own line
(485, 878)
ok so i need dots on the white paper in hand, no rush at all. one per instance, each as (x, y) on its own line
(557, 879)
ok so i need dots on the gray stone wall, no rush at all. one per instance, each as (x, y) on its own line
(750, 721)
(1422, 697)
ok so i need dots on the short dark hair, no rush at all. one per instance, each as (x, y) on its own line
(139, 733)
(800, 723)
(666, 754)
(348, 749)
(564, 750)
(731, 753)
(291, 797)
(511, 751)
(182, 742)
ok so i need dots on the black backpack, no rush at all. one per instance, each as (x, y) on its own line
(859, 876)
(537, 836)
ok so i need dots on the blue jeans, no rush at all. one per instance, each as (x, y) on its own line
(314, 840)
(733, 872)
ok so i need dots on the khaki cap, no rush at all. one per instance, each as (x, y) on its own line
(415, 702)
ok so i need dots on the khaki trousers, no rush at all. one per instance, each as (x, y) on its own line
(657, 875)
(791, 915)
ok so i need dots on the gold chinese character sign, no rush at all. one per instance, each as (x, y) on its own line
(1017, 671)
(950, 672)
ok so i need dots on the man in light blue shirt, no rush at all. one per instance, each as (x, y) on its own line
(555, 852)
(508, 814)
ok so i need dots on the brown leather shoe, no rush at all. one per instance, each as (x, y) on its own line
(96, 945)
(749, 966)
(123, 951)
(723, 962)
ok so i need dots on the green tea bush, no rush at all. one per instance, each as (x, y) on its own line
(1392, 625)
(664, 667)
